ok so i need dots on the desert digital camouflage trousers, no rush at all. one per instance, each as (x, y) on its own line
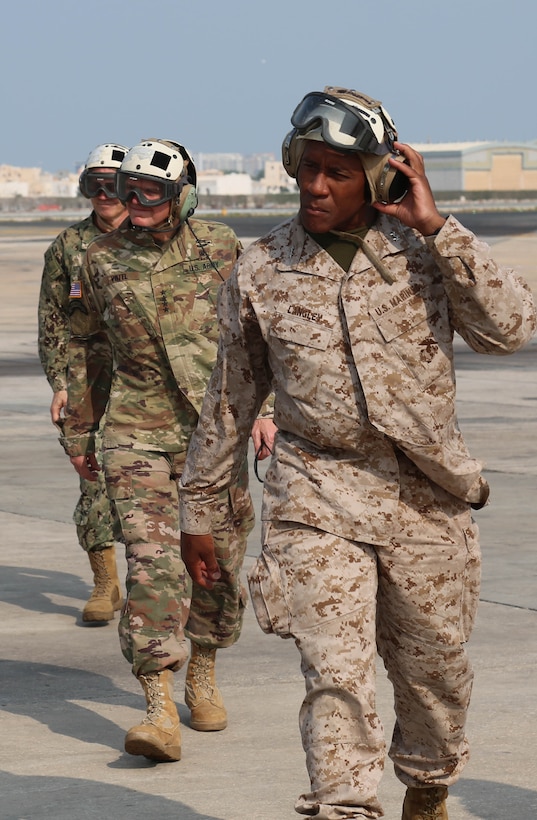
(414, 599)
(94, 517)
(160, 607)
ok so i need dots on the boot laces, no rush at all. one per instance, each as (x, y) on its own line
(155, 698)
(103, 580)
(201, 667)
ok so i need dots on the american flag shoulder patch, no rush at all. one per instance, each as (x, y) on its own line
(76, 290)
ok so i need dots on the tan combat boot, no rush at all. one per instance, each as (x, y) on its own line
(158, 736)
(207, 710)
(425, 804)
(106, 597)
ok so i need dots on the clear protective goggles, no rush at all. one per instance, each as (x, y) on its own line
(92, 183)
(149, 191)
(343, 126)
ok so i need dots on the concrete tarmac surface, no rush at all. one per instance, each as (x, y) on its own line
(67, 696)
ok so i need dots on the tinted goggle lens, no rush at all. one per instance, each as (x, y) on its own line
(148, 192)
(93, 183)
(341, 127)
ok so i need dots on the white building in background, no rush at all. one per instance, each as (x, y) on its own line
(218, 162)
(217, 183)
(251, 164)
(33, 182)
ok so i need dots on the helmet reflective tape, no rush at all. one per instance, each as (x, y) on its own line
(93, 183)
(108, 155)
(344, 124)
(148, 190)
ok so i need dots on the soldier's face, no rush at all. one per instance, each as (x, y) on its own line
(107, 208)
(146, 216)
(332, 189)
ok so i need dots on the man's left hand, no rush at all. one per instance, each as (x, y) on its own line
(417, 209)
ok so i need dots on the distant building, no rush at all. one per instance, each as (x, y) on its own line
(218, 162)
(252, 164)
(220, 184)
(467, 167)
(277, 179)
(454, 169)
(33, 182)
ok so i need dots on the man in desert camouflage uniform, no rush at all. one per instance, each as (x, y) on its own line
(348, 312)
(61, 272)
(150, 289)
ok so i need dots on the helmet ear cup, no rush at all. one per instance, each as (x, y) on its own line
(386, 184)
(290, 154)
(188, 202)
(392, 184)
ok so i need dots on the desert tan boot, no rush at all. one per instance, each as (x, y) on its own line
(425, 804)
(106, 596)
(207, 710)
(158, 736)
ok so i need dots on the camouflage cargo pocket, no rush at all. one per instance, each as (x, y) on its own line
(270, 607)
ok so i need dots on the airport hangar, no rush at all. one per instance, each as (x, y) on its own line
(481, 169)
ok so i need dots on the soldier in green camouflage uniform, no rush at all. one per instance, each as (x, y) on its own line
(150, 289)
(93, 515)
(348, 311)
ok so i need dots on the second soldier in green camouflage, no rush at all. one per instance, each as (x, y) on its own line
(150, 289)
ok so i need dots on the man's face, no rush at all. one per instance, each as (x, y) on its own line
(108, 209)
(332, 189)
(147, 216)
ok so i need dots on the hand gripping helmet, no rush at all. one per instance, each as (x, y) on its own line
(91, 182)
(170, 168)
(348, 121)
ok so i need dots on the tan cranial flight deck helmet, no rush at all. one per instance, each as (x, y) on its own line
(348, 120)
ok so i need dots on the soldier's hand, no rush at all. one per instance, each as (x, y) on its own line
(200, 559)
(59, 401)
(417, 209)
(263, 433)
(86, 466)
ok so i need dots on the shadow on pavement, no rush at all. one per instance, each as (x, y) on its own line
(491, 800)
(65, 798)
(31, 588)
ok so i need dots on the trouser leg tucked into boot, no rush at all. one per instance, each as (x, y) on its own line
(425, 804)
(158, 736)
(106, 596)
(207, 710)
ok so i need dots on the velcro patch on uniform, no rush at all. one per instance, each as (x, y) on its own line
(76, 290)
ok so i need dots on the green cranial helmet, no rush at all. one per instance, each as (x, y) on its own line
(170, 167)
(107, 156)
(351, 122)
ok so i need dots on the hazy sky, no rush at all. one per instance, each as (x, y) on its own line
(225, 75)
